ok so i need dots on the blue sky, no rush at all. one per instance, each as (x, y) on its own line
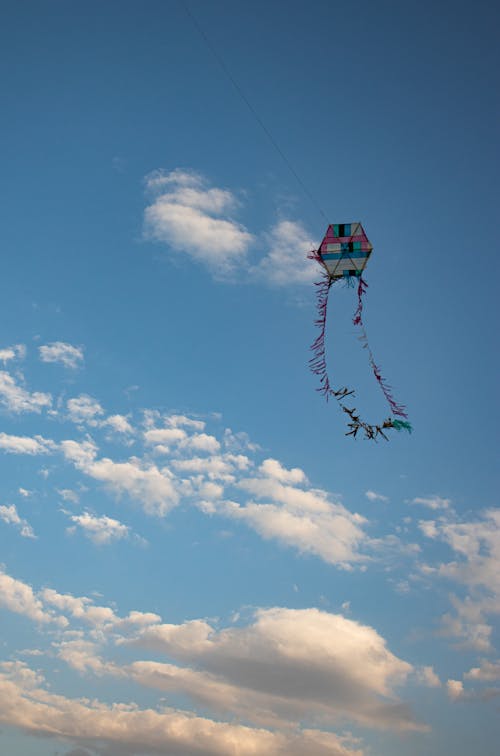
(195, 559)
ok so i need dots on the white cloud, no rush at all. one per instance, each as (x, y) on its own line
(455, 689)
(100, 530)
(432, 502)
(84, 409)
(271, 468)
(202, 442)
(17, 399)
(152, 487)
(373, 496)
(10, 515)
(476, 566)
(127, 728)
(66, 354)
(26, 444)
(18, 597)
(18, 351)
(68, 495)
(118, 423)
(81, 453)
(193, 219)
(79, 607)
(164, 436)
(301, 517)
(286, 262)
(487, 672)
(288, 665)
(426, 676)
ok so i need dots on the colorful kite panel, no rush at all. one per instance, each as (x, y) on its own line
(345, 250)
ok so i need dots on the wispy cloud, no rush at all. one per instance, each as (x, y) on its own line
(26, 444)
(16, 352)
(286, 262)
(374, 496)
(432, 502)
(18, 399)
(476, 567)
(100, 530)
(10, 515)
(65, 354)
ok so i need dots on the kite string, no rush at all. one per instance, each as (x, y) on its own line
(251, 108)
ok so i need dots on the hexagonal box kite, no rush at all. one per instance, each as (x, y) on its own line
(345, 250)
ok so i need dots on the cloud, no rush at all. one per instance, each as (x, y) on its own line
(128, 728)
(16, 352)
(17, 399)
(68, 495)
(100, 530)
(301, 517)
(194, 219)
(66, 354)
(373, 496)
(79, 607)
(10, 515)
(432, 502)
(18, 597)
(286, 263)
(153, 487)
(26, 444)
(476, 566)
(288, 665)
(84, 409)
(426, 676)
(455, 689)
(487, 672)
(118, 423)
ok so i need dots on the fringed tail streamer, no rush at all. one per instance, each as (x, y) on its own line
(397, 409)
(318, 364)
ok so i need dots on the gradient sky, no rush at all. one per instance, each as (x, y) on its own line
(195, 560)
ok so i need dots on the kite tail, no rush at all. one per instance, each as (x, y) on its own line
(317, 363)
(397, 409)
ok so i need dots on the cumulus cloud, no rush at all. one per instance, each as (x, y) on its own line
(126, 727)
(66, 354)
(26, 444)
(84, 409)
(18, 597)
(100, 530)
(79, 607)
(195, 219)
(426, 676)
(288, 665)
(153, 487)
(17, 399)
(118, 423)
(10, 515)
(455, 689)
(302, 517)
(488, 671)
(476, 566)
(16, 352)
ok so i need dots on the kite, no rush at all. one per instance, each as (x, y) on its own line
(343, 255)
